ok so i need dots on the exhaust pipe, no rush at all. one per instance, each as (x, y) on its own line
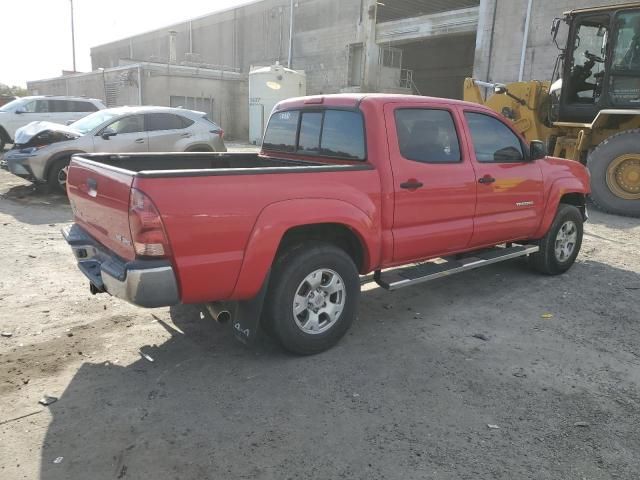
(219, 312)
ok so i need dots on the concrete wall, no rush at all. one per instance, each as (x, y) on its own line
(256, 34)
(229, 91)
(497, 56)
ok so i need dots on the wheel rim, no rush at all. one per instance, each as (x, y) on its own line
(319, 301)
(566, 241)
(623, 176)
(62, 177)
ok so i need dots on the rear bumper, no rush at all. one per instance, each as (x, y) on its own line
(146, 283)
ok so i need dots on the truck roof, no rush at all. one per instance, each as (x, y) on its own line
(352, 100)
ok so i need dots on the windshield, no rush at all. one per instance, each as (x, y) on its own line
(88, 123)
(12, 105)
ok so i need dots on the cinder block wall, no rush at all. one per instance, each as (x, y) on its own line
(256, 34)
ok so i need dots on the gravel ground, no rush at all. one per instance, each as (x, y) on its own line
(408, 394)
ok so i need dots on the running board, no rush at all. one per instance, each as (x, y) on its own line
(424, 272)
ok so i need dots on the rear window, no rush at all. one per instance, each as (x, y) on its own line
(330, 133)
(281, 132)
(164, 121)
(80, 106)
(67, 106)
(310, 129)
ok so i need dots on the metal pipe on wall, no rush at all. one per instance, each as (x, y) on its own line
(139, 85)
(525, 39)
(290, 35)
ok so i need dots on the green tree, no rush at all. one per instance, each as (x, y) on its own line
(14, 91)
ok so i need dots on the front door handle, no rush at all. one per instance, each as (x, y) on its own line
(487, 179)
(139, 140)
(411, 184)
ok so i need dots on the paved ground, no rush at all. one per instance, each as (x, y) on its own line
(408, 394)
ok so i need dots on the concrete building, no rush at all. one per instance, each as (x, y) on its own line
(342, 45)
(424, 47)
(219, 93)
(500, 38)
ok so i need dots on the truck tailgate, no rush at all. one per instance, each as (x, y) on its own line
(99, 197)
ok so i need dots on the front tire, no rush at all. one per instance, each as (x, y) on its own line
(559, 248)
(57, 177)
(313, 297)
(615, 174)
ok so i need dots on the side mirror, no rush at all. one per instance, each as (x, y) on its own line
(107, 133)
(69, 122)
(20, 111)
(537, 150)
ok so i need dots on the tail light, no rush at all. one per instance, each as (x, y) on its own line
(218, 131)
(147, 231)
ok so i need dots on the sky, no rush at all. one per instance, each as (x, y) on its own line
(36, 38)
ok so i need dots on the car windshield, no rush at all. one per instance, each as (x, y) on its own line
(12, 105)
(88, 123)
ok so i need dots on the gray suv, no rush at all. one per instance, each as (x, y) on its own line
(42, 150)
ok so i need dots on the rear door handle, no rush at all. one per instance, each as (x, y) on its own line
(185, 135)
(139, 140)
(487, 179)
(411, 185)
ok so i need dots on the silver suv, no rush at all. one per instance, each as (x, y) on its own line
(49, 108)
(42, 150)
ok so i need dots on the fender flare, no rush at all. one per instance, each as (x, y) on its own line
(559, 188)
(276, 219)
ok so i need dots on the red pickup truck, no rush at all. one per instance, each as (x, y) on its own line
(411, 188)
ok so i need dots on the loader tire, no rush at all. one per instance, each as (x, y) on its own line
(615, 174)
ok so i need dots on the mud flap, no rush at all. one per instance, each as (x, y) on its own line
(246, 318)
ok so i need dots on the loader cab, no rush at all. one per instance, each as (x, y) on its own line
(601, 64)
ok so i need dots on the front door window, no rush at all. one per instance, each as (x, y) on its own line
(586, 77)
(625, 72)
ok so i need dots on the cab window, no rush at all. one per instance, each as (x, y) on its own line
(493, 141)
(427, 135)
(586, 77)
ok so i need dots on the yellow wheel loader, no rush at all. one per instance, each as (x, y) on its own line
(590, 110)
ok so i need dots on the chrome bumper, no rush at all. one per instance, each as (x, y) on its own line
(146, 283)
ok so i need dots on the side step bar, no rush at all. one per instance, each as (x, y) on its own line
(424, 272)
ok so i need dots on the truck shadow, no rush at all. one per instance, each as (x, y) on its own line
(396, 386)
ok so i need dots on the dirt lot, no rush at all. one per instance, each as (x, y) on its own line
(408, 394)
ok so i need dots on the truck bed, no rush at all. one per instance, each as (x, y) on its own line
(208, 164)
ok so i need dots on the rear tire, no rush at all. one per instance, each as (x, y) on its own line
(2, 143)
(615, 174)
(313, 297)
(57, 177)
(561, 245)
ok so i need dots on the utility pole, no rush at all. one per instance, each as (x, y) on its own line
(73, 38)
(290, 35)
